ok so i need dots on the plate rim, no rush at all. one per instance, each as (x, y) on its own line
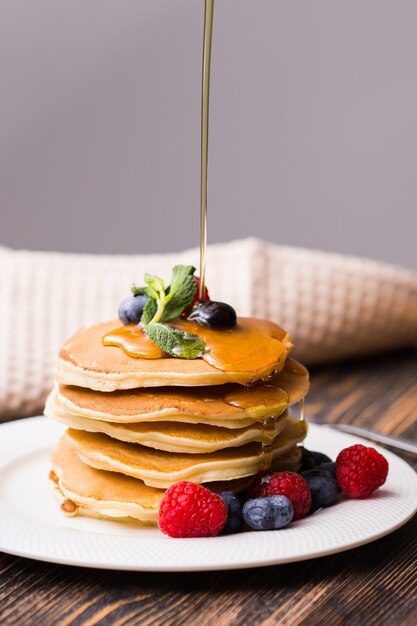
(168, 567)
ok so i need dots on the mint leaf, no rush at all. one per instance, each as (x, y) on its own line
(155, 282)
(173, 300)
(180, 300)
(149, 311)
(139, 291)
(180, 273)
(175, 342)
(152, 293)
(156, 287)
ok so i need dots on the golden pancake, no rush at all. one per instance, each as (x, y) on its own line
(229, 406)
(84, 490)
(251, 351)
(169, 436)
(161, 469)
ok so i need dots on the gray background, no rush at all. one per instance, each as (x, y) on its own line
(313, 137)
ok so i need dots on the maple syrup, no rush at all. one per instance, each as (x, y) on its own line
(302, 417)
(268, 436)
(257, 400)
(134, 342)
(205, 94)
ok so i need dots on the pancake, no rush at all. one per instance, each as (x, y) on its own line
(161, 469)
(169, 436)
(229, 406)
(251, 351)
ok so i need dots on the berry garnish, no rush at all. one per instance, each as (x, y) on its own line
(234, 520)
(269, 513)
(190, 510)
(307, 461)
(206, 297)
(131, 309)
(311, 459)
(288, 484)
(323, 487)
(329, 466)
(360, 470)
(319, 457)
(217, 315)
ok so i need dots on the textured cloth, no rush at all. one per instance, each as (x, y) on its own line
(334, 306)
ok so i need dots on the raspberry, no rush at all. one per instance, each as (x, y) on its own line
(190, 510)
(360, 470)
(188, 310)
(287, 484)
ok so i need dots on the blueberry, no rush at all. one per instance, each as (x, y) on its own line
(234, 520)
(329, 466)
(218, 315)
(323, 486)
(317, 471)
(319, 457)
(131, 309)
(268, 513)
(307, 461)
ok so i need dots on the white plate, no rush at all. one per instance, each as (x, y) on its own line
(31, 524)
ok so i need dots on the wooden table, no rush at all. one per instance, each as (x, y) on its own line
(371, 585)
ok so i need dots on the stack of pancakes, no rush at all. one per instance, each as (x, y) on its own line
(139, 425)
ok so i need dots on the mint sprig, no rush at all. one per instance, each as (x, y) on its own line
(165, 304)
(170, 301)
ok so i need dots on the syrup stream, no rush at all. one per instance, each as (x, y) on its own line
(205, 92)
(302, 416)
